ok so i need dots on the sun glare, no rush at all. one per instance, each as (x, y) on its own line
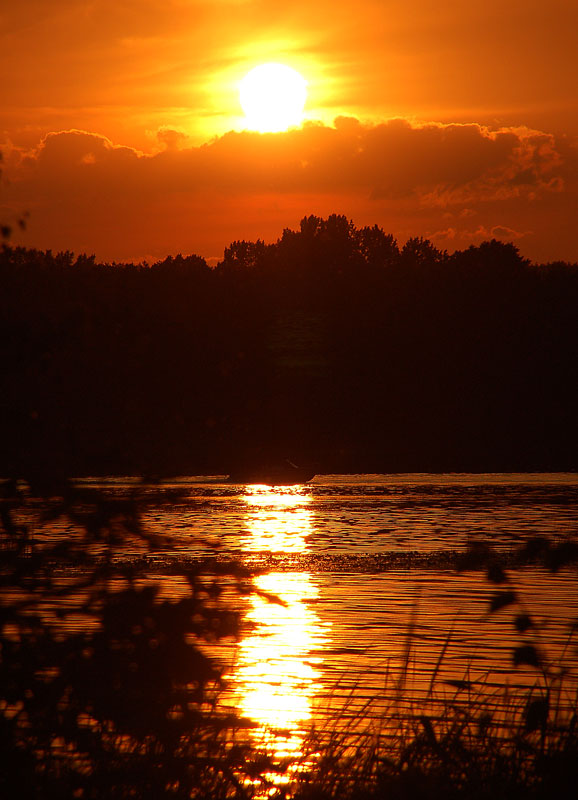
(273, 98)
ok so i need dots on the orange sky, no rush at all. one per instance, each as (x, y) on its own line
(455, 120)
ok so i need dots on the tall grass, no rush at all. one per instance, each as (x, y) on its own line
(466, 738)
(452, 747)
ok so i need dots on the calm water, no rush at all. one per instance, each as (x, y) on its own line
(340, 636)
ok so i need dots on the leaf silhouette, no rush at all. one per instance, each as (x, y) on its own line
(459, 684)
(501, 600)
(523, 622)
(496, 574)
(526, 654)
(536, 714)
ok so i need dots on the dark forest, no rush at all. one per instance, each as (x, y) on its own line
(332, 347)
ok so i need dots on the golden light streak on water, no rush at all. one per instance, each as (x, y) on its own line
(278, 519)
(277, 669)
(276, 672)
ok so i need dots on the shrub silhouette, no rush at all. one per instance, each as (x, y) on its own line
(105, 688)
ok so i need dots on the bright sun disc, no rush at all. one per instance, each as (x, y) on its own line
(273, 97)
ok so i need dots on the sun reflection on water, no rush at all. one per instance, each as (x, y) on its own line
(276, 673)
(278, 519)
(276, 669)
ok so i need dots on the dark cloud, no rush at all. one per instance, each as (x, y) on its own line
(439, 164)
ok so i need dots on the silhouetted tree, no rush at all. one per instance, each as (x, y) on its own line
(244, 255)
(377, 248)
(419, 251)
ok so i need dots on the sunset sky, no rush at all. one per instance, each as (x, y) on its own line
(122, 132)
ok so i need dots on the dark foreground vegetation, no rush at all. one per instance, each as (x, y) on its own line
(332, 347)
(107, 689)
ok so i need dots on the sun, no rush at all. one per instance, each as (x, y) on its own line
(273, 97)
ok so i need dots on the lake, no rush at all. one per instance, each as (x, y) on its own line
(374, 618)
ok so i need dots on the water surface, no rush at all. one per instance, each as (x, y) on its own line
(367, 603)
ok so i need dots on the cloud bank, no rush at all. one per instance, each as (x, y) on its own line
(453, 182)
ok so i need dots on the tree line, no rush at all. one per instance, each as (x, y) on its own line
(333, 347)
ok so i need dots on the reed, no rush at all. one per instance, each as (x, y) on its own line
(465, 739)
(462, 750)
